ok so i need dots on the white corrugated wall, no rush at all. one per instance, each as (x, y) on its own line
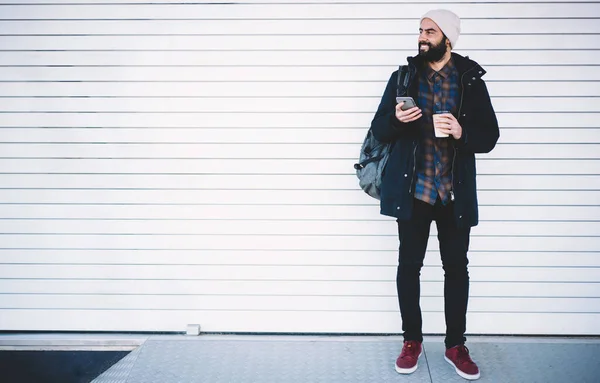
(164, 163)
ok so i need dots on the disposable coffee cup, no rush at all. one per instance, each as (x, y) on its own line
(436, 119)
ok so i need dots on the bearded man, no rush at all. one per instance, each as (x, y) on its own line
(430, 176)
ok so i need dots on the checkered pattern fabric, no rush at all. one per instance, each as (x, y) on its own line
(437, 91)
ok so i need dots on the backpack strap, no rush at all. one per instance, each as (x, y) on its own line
(402, 87)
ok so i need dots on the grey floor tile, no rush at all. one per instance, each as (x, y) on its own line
(523, 362)
(266, 359)
(271, 361)
(119, 372)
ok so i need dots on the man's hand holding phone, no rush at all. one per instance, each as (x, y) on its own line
(407, 110)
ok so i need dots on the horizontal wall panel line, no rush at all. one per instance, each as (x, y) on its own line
(291, 219)
(363, 128)
(99, 295)
(283, 220)
(240, 189)
(310, 220)
(297, 295)
(105, 143)
(291, 50)
(556, 282)
(292, 18)
(269, 97)
(266, 81)
(361, 281)
(275, 175)
(343, 97)
(480, 173)
(241, 311)
(207, 309)
(272, 173)
(266, 66)
(292, 251)
(260, 265)
(406, 21)
(251, 112)
(373, 204)
(276, 104)
(249, 3)
(515, 311)
(277, 34)
(256, 295)
(230, 310)
(326, 57)
(262, 250)
(284, 235)
(357, 310)
(471, 266)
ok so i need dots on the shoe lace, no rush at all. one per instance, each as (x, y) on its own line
(462, 355)
(410, 350)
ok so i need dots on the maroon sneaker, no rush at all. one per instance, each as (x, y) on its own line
(458, 357)
(407, 361)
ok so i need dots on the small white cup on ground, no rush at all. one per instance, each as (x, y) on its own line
(436, 119)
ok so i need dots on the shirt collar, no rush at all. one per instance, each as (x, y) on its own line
(444, 72)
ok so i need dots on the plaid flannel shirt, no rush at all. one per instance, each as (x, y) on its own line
(437, 91)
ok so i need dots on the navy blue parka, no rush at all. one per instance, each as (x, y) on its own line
(480, 133)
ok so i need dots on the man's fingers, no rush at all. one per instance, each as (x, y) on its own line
(414, 118)
(408, 115)
(412, 112)
(444, 129)
(447, 117)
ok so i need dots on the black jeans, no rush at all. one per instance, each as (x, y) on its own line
(454, 244)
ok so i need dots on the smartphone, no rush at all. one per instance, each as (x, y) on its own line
(409, 102)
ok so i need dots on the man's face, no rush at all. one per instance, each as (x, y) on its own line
(432, 42)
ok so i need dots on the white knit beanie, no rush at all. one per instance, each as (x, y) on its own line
(448, 22)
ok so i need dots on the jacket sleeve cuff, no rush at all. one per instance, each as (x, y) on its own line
(396, 124)
(462, 141)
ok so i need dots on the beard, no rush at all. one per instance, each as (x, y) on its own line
(435, 53)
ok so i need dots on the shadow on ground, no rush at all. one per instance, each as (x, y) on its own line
(55, 366)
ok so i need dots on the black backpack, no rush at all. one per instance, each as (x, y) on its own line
(374, 154)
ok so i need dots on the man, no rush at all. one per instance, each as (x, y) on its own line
(433, 179)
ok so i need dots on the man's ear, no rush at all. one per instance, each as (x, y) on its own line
(447, 40)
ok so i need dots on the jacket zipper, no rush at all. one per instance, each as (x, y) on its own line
(462, 92)
(462, 96)
(412, 178)
(452, 176)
